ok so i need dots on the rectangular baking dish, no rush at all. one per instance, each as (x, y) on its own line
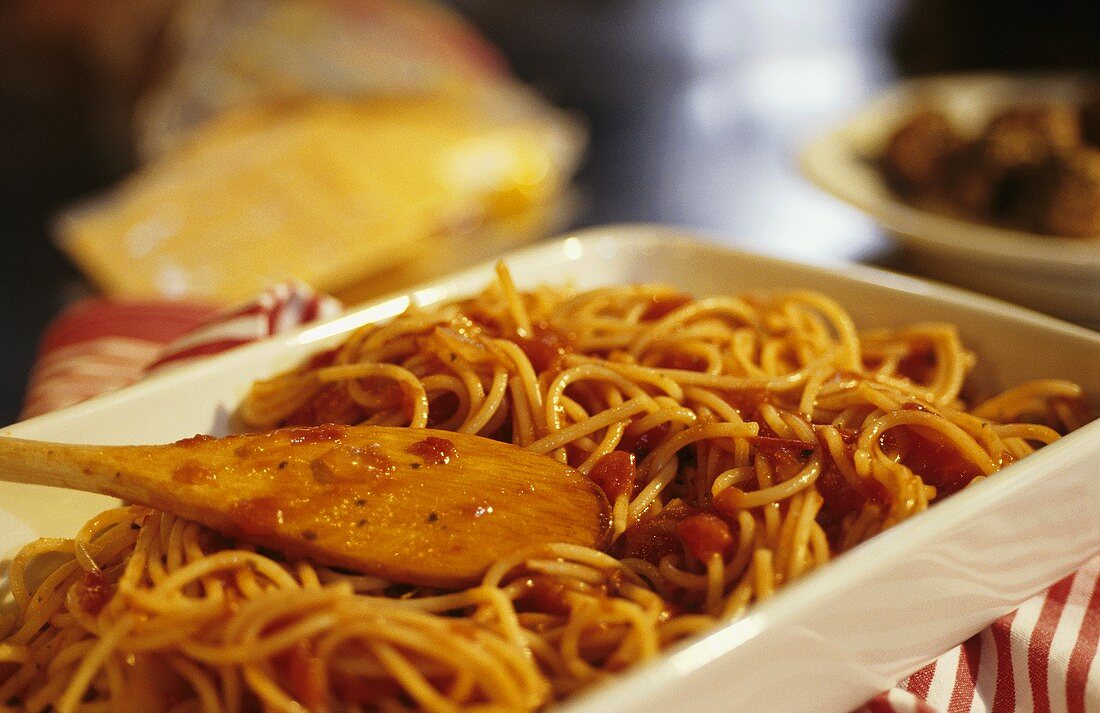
(828, 642)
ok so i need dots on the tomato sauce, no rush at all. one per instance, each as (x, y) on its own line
(615, 473)
(705, 535)
(434, 450)
(94, 591)
(787, 456)
(545, 347)
(322, 359)
(642, 443)
(842, 499)
(650, 540)
(919, 363)
(663, 305)
(303, 675)
(543, 594)
(928, 455)
(331, 404)
(477, 320)
(653, 537)
(360, 690)
(442, 408)
(747, 401)
(192, 472)
(386, 393)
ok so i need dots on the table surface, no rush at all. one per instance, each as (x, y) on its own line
(696, 111)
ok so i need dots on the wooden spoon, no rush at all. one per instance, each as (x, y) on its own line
(413, 505)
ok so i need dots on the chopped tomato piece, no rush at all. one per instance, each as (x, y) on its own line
(651, 538)
(841, 498)
(928, 455)
(705, 535)
(615, 473)
(545, 347)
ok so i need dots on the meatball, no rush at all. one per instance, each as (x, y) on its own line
(1071, 204)
(971, 181)
(1090, 121)
(1028, 135)
(916, 156)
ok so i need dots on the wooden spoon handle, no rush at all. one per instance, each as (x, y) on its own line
(93, 469)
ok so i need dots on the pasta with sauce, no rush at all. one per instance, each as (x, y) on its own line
(743, 442)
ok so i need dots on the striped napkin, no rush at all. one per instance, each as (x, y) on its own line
(99, 345)
(1041, 658)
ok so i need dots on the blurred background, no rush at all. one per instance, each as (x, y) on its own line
(551, 115)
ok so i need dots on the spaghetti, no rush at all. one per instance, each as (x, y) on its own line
(743, 443)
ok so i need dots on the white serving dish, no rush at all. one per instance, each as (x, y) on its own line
(827, 643)
(1060, 276)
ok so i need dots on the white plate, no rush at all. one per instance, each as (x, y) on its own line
(828, 642)
(1057, 275)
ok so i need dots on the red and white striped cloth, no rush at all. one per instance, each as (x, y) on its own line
(1041, 658)
(98, 345)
